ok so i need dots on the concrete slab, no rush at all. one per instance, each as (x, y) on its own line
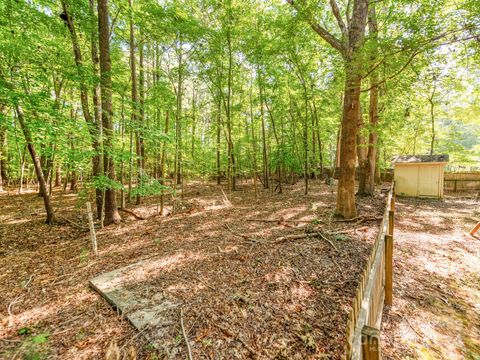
(146, 307)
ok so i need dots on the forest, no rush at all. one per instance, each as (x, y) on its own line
(162, 117)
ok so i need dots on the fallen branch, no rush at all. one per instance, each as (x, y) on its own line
(226, 201)
(74, 224)
(347, 231)
(131, 212)
(359, 219)
(10, 308)
(303, 236)
(190, 357)
(28, 281)
(243, 236)
(279, 221)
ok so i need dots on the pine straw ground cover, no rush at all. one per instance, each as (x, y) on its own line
(436, 297)
(244, 293)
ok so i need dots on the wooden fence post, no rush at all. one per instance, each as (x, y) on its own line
(371, 343)
(92, 228)
(391, 219)
(388, 269)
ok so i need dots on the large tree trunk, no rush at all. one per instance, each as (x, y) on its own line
(97, 141)
(36, 163)
(111, 211)
(97, 160)
(3, 146)
(264, 136)
(432, 119)
(362, 162)
(372, 143)
(372, 113)
(219, 125)
(348, 147)
(133, 77)
(140, 146)
(91, 122)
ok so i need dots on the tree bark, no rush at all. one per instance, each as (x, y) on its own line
(92, 122)
(372, 113)
(362, 162)
(36, 163)
(351, 112)
(97, 141)
(353, 33)
(111, 211)
(3, 146)
(432, 119)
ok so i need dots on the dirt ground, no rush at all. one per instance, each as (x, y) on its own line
(436, 306)
(245, 293)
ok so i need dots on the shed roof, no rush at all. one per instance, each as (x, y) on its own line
(421, 159)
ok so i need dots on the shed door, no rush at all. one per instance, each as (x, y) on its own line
(428, 180)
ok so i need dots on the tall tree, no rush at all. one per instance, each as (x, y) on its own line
(349, 46)
(110, 205)
(36, 163)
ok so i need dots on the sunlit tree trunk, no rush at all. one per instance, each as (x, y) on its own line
(3, 145)
(264, 136)
(254, 145)
(372, 112)
(97, 160)
(162, 164)
(111, 211)
(36, 163)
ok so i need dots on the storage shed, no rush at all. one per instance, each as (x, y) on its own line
(419, 175)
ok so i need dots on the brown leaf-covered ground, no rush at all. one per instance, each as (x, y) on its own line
(243, 295)
(436, 304)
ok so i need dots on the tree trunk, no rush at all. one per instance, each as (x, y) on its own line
(140, 146)
(254, 145)
(36, 163)
(134, 97)
(348, 149)
(362, 161)
(3, 146)
(111, 211)
(92, 123)
(372, 113)
(264, 140)
(97, 161)
(432, 118)
(162, 164)
(219, 125)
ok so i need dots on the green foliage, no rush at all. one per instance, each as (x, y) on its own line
(243, 65)
(150, 186)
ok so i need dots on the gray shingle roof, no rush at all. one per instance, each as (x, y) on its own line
(420, 158)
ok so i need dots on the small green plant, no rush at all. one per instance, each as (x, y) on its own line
(34, 347)
(341, 237)
(40, 338)
(207, 342)
(24, 331)
(84, 255)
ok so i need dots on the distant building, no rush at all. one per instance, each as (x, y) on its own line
(419, 175)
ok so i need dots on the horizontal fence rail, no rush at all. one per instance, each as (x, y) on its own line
(462, 181)
(373, 291)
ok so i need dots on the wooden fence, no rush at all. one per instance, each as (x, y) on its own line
(462, 181)
(373, 291)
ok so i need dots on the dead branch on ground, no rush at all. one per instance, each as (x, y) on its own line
(303, 236)
(190, 357)
(136, 216)
(243, 236)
